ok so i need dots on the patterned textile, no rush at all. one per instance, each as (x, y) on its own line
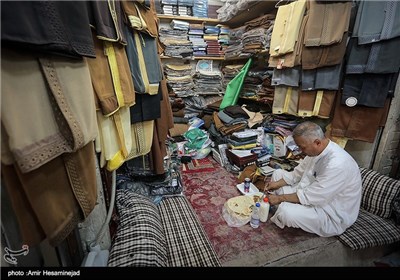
(188, 244)
(140, 238)
(370, 230)
(379, 193)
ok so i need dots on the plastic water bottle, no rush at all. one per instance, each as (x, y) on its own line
(264, 210)
(255, 216)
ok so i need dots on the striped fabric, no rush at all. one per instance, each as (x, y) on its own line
(378, 192)
(188, 244)
(140, 238)
(370, 230)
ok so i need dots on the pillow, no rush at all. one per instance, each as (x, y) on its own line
(379, 192)
(140, 238)
(369, 230)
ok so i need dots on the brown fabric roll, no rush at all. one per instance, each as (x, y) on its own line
(50, 201)
(316, 57)
(327, 23)
(359, 122)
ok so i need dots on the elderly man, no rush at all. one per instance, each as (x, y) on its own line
(322, 194)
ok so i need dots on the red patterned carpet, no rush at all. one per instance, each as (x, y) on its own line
(242, 246)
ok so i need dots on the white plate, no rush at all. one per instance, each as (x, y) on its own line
(253, 189)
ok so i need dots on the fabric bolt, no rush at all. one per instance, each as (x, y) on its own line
(327, 23)
(316, 103)
(107, 18)
(286, 100)
(46, 26)
(379, 58)
(329, 203)
(286, 27)
(286, 76)
(350, 121)
(235, 111)
(324, 78)
(385, 24)
(254, 117)
(316, 57)
(51, 200)
(291, 59)
(143, 61)
(362, 89)
(63, 112)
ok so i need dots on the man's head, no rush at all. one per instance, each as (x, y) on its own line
(310, 138)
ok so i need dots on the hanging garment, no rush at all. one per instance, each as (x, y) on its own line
(142, 16)
(377, 21)
(115, 138)
(358, 122)
(107, 19)
(47, 107)
(286, 27)
(46, 26)
(111, 76)
(327, 23)
(143, 61)
(51, 200)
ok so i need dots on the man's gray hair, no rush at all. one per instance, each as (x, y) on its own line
(309, 130)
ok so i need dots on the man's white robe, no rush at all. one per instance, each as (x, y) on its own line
(329, 190)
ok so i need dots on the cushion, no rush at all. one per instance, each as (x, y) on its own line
(378, 192)
(370, 230)
(140, 238)
(187, 243)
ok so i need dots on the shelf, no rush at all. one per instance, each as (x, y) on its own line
(194, 58)
(192, 19)
(253, 11)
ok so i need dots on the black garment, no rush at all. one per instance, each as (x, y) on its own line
(55, 27)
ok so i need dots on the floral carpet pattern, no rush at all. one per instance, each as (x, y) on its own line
(239, 246)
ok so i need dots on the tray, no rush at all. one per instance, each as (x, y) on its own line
(253, 189)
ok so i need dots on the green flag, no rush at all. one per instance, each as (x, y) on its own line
(234, 87)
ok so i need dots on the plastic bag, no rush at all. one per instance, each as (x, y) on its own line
(233, 219)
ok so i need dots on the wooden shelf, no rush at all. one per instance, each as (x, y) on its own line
(253, 11)
(192, 19)
(194, 57)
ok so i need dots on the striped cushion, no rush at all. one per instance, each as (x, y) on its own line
(379, 192)
(370, 230)
(187, 243)
(140, 238)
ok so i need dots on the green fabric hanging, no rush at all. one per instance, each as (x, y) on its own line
(234, 87)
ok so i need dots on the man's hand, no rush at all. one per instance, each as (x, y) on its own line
(271, 186)
(274, 199)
